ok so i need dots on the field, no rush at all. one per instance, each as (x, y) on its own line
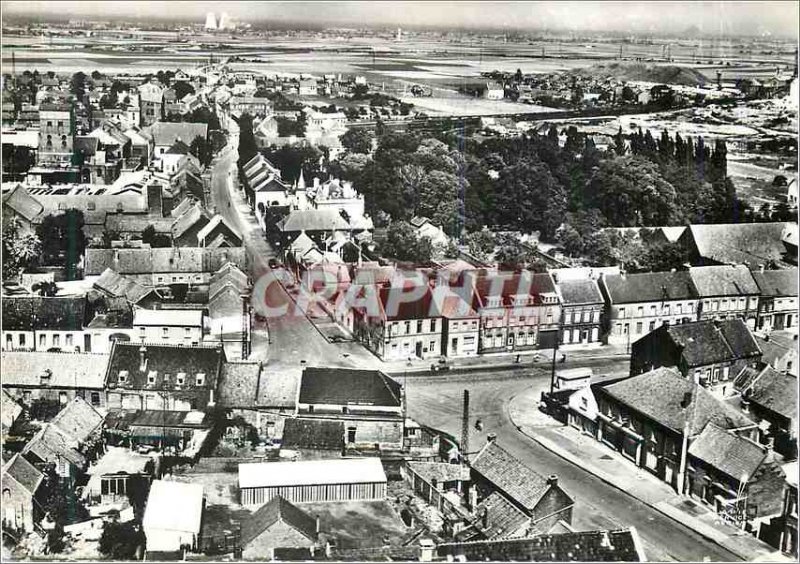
(465, 106)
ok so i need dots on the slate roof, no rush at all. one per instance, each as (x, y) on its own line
(116, 285)
(23, 472)
(395, 308)
(167, 260)
(523, 283)
(23, 204)
(345, 386)
(509, 474)
(68, 370)
(278, 389)
(577, 292)
(777, 283)
(228, 274)
(165, 359)
(135, 223)
(707, 342)
(777, 392)
(313, 220)
(621, 545)
(51, 445)
(178, 148)
(727, 452)
(440, 471)
(316, 434)
(238, 384)
(188, 219)
(278, 509)
(29, 313)
(166, 133)
(503, 518)
(649, 287)
(725, 280)
(78, 420)
(750, 244)
(658, 395)
(226, 229)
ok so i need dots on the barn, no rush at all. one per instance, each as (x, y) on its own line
(350, 479)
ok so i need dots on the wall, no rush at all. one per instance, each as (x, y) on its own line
(158, 539)
(18, 507)
(651, 315)
(317, 493)
(279, 535)
(168, 335)
(96, 397)
(580, 319)
(553, 507)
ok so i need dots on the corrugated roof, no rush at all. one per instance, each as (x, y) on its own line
(311, 472)
(345, 386)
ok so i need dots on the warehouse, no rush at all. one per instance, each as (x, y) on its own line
(356, 479)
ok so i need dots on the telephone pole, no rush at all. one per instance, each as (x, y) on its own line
(465, 428)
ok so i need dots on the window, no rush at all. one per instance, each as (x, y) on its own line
(62, 398)
(21, 339)
(151, 377)
(433, 325)
(622, 312)
(95, 398)
(639, 328)
(626, 329)
(56, 340)
(68, 340)
(123, 376)
(187, 333)
(584, 402)
(9, 340)
(345, 410)
(640, 311)
(90, 205)
(42, 342)
(165, 332)
(311, 409)
(26, 396)
(724, 305)
(201, 379)
(618, 329)
(351, 435)
(690, 307)
(595, 316)
(652, 325)
(653, 310)
(419, 326)
(678, 309)
(180, 379)
(432, 346)
(574, 316)
(408, 327)
(666, 310)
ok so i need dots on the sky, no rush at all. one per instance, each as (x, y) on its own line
(724, 17)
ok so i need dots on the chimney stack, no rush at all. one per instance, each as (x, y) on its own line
(142, 358)
(552, 480)
(426, 550)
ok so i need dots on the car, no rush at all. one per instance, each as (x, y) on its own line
(441, 367)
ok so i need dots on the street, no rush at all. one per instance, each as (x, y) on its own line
(437, 401)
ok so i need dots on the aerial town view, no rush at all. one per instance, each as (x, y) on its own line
(399, 281)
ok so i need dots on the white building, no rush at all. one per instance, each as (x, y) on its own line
(494, 91)
(168, 326)
(173, 516)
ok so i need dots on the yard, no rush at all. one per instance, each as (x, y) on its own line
(359, 524)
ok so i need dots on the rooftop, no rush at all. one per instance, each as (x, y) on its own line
(748, 244)
(160, 513)
(162, 260)
(238, 386)
(311, 472)
(575, 292)
(278, 509)
(777, 283)
(28, 313)
(723, 280)
(314, 434)
(345, 386)
(23, 472)
(649, 287)
(736, 456)
(60, 370)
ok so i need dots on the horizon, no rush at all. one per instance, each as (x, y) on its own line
(764, 19)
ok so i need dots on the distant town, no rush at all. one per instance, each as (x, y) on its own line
(397, 294)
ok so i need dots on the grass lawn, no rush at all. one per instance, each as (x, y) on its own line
(359, 524)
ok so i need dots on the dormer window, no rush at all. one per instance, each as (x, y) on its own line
(201, 379)
(123, 376)
(180, 379)
(151, 377)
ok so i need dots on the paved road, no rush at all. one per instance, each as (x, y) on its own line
(437, 401)
(292, 337)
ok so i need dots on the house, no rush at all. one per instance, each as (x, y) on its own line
(789, 240)
(44, 323)
(120, 478)
(647, 417)
(54, 377)
(750, 244)
(425, 228)
(519, 311)
(166, 134)
(334, 194)
(56, 134)
(711, 353)
(396, 322)
(639, 303)
(10, 410)
(779, 350)
(162, 266)
(316, 223)
(350, 479)
(777, 302)
(277, 524)
(581, 309)
(114, 285)
(167, 529)
(771, 400)
(726, 291)
(308, 87)
(516, 500)
(173, 158)
(736, 476)
(68, 441)
(168, 326)
(620, 545)
(23, 494)
(367, 402)
(157, 377)
(313, 439)
(494, 91)
(218, 233)
(460, 320)
(151, 101)
(788, 540)
(177, 432)
(19, 203)
(189, 224)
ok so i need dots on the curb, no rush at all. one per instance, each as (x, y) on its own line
(546, 444)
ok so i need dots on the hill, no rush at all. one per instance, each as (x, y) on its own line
(662, 74)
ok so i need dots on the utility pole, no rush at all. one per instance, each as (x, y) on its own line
(465, 428)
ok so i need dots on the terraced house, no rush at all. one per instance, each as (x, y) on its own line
(777, 303)
(726, 291)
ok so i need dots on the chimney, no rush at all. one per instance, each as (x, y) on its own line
(142, 358)
(552, 480)
(761, 268)
(745, 405)
(427, 548)
(770, 443)
(317, 524)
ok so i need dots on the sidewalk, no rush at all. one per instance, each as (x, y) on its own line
(611, 467)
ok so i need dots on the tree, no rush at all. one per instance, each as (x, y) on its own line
(357, 141)
(481, 244)
(663, 257)
(20, 251)
(182, 89)
(108, 236)
(200, 147)
(63, 240)
(511, 254)
(46, 288)
(78, 86)
(247, 140)
(403, 244)
(121, 541)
